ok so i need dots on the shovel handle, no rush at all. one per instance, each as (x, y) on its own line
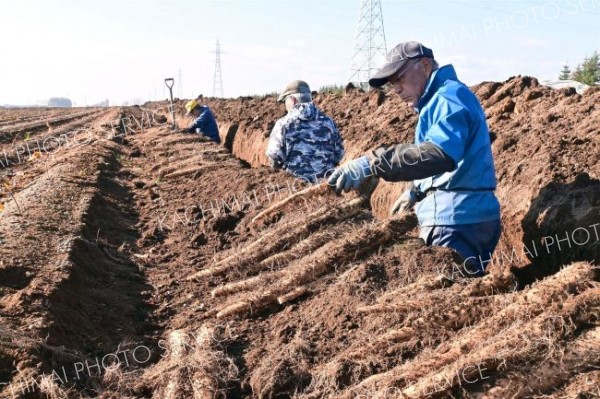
(170, 82)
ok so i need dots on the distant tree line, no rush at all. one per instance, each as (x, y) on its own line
(587, 72)
(333, 88)
(101, 104)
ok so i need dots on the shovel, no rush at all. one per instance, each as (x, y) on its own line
(170, 82)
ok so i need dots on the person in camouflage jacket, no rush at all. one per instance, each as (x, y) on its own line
(305, 142)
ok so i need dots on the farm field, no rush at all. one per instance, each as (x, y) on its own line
(132, 265)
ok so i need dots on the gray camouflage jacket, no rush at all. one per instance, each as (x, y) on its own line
(306, 143)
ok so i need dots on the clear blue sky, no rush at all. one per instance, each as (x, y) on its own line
(122, 49)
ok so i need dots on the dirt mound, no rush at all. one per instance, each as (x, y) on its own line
(545, 145)
(140, 264)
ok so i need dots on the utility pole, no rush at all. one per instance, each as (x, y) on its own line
(218, 79)
(370, 47)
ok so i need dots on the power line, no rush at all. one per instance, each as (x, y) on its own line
(370, 43)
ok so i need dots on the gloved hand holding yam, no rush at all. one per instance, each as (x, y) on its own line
(351, 175)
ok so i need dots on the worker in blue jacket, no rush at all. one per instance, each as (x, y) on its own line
(204, 121)
(450, 163)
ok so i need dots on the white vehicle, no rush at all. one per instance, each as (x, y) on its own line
(559, 84)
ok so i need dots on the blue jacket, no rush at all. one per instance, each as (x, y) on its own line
(451, 117)
(207, 124)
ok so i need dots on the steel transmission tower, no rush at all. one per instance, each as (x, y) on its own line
(370, 48)
(218, 79)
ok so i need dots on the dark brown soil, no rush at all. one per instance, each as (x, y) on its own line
(100, 244)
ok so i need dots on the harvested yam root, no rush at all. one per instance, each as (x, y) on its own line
(326, 259)
(195, 367)
(389, 307)
(403, 297)
(424, 284)
(50, 388)
(296, 252)
(305, 194)
(238, 307)
(348, 248)
(399, 335)
(428, 289)
(366, 190)
(538, 305)
(329, 379)
(238, 286)
(578, 356)
(306, 246)
(460, 312)
(287, 234)
(517, 345)
(491, 284)
(272, 376)
(397, 343)
(439, 309)
(292, 295)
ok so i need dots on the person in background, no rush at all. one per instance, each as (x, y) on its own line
(204, 121)
(305, 142)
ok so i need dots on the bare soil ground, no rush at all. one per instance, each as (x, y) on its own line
(131, 266)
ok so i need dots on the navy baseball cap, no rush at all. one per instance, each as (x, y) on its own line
(397, 58)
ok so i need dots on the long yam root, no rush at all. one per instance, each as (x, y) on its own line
(289, 233)
(578, 356)
(300, 250)
(325, 259)
(305, 194)
(238, 286)
(347, 249)
(516, 345)
(196, 366)
(292, 295)
(526, 305)
(305, 247)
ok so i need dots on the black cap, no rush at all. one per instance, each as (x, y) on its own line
(396, 58)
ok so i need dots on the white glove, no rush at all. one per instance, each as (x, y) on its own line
(405, 203)
(350, 175)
